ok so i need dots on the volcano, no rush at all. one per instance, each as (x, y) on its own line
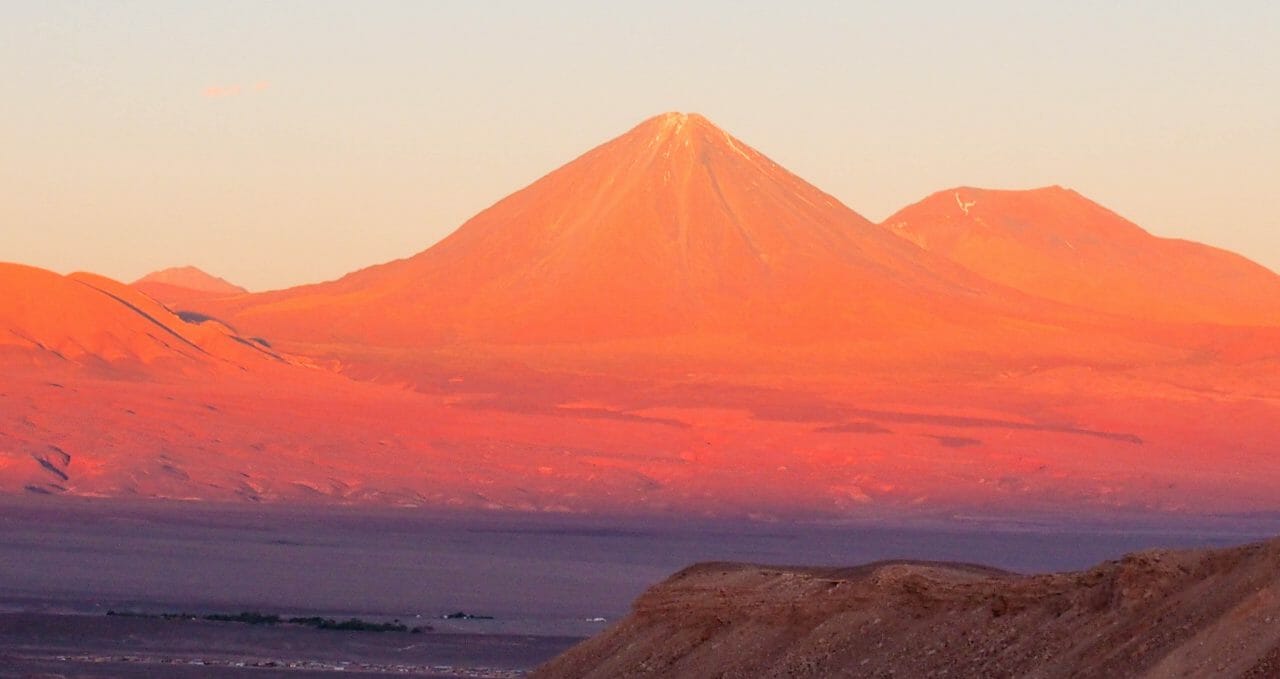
(672, 322)
(1055, 243)
(674, 229)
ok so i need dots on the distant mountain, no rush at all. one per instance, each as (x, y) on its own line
(1054, 243)
(674, 323)
(183, 284)
(91, 321)
(675, 229)
(191, 278)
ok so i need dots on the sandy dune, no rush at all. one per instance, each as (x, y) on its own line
(91, 321)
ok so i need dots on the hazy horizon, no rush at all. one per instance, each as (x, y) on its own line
(282, 144)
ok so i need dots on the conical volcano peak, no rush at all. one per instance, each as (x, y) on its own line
(675, 129)
(679, 122)
(674, 228)
(677, 118)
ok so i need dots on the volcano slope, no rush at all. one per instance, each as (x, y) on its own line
(1150, 614)
(767, 344)
(674, 323)
(107, 393)
(674, 239)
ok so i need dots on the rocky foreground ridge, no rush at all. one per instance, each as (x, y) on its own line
(1194, 613)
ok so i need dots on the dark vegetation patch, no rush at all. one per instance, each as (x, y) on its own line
(355, 625)
(271, 619)
(246, 617)
(465, 616)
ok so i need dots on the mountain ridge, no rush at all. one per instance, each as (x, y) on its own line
(85, 319)
(1157, 613)
(1055, 243)
(180, 286)
(669, 323)
(674, 228)
(192, 278)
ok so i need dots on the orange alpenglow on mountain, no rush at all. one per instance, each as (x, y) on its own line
(674, 229)
(1055, 243)
(88, 320)
(182, 284)
(674, 323)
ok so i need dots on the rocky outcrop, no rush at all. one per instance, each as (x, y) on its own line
(1151, 614)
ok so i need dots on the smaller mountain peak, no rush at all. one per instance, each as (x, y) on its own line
(191, 278)
(1052, 190)
(964, 197)
(988, 191)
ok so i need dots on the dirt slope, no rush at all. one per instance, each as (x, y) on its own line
(1151, 614)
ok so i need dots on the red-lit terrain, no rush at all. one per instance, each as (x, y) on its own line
(1054, 243)
(673, 322)
(182, 284)
(96, 323)
(674, 237)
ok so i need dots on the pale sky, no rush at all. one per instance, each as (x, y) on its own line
(290, 142)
